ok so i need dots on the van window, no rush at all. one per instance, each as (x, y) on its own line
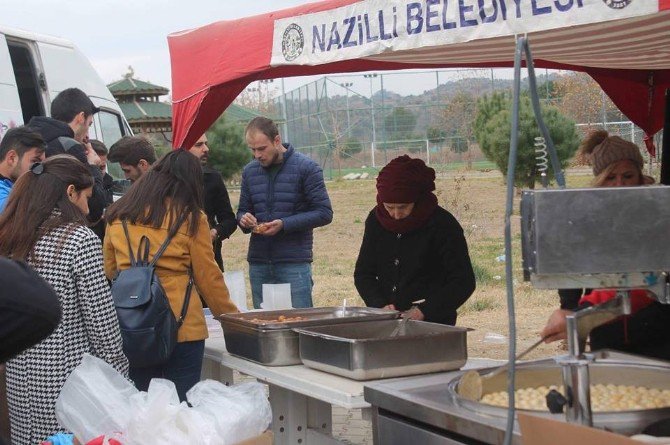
(111, 127)
(26, 80)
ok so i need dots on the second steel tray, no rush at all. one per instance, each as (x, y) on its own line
(364, 351)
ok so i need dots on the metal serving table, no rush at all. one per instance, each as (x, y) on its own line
(417, 410)
(301, 398)
(428, 409)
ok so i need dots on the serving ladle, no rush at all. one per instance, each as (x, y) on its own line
(398, 329)
(471, 384)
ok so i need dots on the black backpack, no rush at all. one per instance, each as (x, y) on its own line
(148, 326)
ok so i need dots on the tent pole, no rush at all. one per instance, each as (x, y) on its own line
(665, 147)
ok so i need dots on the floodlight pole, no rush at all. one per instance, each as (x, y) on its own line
(346, 86)
(285, 135)
(372, 112)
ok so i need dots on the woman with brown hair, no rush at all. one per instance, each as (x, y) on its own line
(157, 203)
(45, 225)
(616, 162)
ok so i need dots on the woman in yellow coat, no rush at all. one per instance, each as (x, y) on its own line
(171, 191)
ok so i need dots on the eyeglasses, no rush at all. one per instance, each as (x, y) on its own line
(37, 168)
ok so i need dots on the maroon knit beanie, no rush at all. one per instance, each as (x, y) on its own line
(404, 180)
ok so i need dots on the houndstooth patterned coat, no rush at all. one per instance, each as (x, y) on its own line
(72, 264)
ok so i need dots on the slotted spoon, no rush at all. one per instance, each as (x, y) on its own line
(471, 384)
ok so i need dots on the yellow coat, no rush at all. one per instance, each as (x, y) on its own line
(172, 269)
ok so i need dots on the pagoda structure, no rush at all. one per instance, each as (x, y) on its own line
(142, 107)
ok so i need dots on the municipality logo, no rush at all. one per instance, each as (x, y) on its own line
(617, 4)
(292, 42)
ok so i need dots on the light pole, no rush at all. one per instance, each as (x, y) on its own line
(372, 112)
(346, 86)
(267, 91)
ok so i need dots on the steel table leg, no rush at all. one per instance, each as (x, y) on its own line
(300, 420)
(214, 370)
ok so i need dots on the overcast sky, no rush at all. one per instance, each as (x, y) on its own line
(114, 34)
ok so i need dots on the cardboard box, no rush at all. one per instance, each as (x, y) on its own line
(536, 430)
(263, 439)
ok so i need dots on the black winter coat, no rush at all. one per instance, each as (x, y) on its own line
(29, 308)
(431, 262)
(646, 332)
(51, 129)
(218, 209)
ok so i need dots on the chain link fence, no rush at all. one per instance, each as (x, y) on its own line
(359, 122)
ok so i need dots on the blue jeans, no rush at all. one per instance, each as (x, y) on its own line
(183, 368)
(298, 274)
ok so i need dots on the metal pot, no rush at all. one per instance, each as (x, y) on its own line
(547, 372)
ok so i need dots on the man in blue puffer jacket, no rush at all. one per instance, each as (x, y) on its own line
(283, 198)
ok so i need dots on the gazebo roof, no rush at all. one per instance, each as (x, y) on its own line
(130, 86)
(145, 111)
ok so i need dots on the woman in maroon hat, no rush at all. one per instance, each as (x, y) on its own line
(412, 248)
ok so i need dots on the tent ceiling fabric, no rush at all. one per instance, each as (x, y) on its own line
(629, 58)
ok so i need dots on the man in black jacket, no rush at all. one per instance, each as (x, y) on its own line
(217, 202)
(66, 131)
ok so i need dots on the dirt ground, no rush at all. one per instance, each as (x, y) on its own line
(477, 199)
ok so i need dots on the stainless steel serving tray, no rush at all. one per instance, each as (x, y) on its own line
(364, 351)
(310, 317)
(260, 337)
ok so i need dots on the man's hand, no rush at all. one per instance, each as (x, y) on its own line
(248, 221)
(389, 306)
(273, 227)
(91, 156)
(555, 328)
(214, 234)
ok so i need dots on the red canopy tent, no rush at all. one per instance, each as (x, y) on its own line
(623, 44)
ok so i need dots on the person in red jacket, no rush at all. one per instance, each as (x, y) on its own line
(616, 163)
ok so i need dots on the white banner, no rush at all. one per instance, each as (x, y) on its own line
(372, 27)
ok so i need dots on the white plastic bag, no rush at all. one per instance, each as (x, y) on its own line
(97, 400)
(237, 412)
(158, 417)
(237, 288)
(94, 400)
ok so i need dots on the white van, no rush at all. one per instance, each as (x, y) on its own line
(35, 68)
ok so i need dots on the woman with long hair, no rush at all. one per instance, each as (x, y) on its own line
(616, 162)
(45, 225)
(168, 199)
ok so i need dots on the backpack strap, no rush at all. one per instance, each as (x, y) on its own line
(143, 251)
(130, 249)
(187, 299)
(171, 234)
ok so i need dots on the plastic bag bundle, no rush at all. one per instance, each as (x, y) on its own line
(96, 400)
(247, 407)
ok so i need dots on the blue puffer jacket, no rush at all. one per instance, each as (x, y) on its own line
(297, 196)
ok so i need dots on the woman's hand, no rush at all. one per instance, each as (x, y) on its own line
(414, 313)
(555, 328)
